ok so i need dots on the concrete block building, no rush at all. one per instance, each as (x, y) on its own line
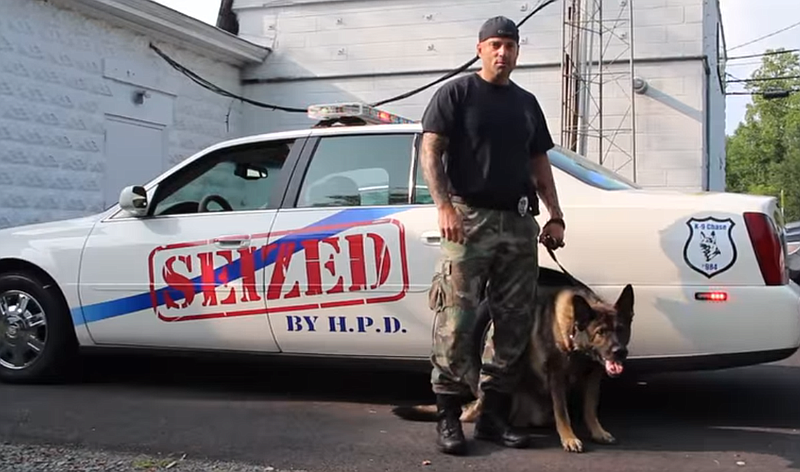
(87, 107)
(368, 50)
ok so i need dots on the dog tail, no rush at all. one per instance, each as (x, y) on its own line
(425, 413)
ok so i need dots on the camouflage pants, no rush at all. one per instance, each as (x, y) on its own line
(500, 250)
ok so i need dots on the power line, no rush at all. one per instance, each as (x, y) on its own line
(731, 75)
(771, 53)
(767, 93)
(216, 89)
(457, 71)
(766, 36)
(210, 86)
(742, 64)
(787, 77)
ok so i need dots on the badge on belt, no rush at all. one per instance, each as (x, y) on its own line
(522, 206)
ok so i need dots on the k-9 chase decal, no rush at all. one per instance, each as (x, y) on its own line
(285, 272)
(710, 249)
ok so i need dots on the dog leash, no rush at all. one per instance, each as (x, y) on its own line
(555, 259)
(570, 276)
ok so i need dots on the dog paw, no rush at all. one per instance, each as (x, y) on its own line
(572, 444)
(604, 437)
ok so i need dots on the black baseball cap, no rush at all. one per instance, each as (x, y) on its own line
(498, 27)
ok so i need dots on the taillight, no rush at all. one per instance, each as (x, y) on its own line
(768, 248)
(711, 296)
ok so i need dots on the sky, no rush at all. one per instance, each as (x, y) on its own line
(742, 20)
(203, 10)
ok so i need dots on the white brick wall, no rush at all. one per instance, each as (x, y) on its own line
(60, 74)
(330, 51)
(354, 37)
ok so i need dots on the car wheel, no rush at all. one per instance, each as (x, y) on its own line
(37, 338)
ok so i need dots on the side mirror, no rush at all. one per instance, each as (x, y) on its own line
(133, 199)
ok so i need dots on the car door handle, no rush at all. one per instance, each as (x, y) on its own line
(434, 238)
(232, 242)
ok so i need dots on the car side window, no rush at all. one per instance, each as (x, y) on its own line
(359, 170)
(239, 178)
(422, 196)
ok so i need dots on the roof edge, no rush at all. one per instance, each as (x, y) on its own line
(163, 23)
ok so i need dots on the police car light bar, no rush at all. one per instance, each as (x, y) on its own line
(367, 113)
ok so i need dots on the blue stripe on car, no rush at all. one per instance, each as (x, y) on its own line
(143, 301)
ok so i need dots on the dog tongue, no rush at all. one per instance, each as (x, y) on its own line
(613, 368)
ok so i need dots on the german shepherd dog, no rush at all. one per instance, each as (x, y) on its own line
(576, 339)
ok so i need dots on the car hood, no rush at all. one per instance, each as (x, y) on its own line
(70, 228)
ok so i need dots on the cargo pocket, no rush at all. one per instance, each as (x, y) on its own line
(438, 297)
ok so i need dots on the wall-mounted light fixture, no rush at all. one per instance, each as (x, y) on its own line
(639, 85)
(139, 96)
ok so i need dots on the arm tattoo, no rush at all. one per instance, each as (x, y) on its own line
(433, 146)
(542, 176)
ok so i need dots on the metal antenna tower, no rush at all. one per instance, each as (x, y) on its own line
(597, 77)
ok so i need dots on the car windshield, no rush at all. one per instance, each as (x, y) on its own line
(587, 171)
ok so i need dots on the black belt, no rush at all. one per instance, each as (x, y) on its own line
(511, 205)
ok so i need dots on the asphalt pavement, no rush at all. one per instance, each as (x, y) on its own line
(324, 419)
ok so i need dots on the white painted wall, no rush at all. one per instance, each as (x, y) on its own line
(368, 50)
(63, 77)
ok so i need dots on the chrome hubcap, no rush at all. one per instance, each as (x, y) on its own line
(23, 329)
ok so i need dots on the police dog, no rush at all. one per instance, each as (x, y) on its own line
(576, 339)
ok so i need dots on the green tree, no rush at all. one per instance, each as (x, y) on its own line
(763, 155)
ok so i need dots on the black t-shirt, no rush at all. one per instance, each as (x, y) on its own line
(494, 131)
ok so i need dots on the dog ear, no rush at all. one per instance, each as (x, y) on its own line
(624, 303)
(581, 311)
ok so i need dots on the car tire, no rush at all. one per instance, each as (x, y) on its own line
(22, 332)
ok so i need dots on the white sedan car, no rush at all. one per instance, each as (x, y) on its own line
(323, 241)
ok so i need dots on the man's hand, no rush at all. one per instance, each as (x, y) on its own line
(542, 177)
(552, 235)
(451, 225)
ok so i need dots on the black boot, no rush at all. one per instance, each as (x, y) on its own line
(450, 438)
(493, 424)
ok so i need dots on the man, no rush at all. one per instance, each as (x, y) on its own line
(484, 159)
